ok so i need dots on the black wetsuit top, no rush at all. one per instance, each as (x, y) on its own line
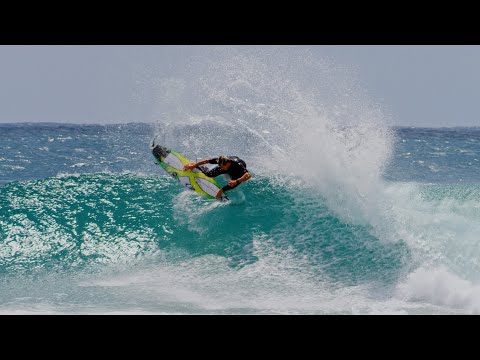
(236, 170)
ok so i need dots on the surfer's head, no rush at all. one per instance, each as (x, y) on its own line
(223, 160)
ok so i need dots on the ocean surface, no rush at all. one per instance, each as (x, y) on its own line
(336, 219)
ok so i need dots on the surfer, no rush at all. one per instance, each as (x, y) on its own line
(235, 167)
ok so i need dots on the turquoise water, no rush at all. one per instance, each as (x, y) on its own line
(88, 226)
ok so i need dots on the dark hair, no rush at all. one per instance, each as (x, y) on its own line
(223, 160)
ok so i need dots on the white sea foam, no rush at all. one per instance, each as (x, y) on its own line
(292, 115)
(440, 287)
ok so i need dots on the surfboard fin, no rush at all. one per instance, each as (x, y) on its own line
(159, 151)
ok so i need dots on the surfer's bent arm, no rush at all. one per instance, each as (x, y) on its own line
(193, 165)
(234, 183)
(244, 178)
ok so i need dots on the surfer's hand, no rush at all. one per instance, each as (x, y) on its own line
(232, 183)
(189, 166)
(219, 194)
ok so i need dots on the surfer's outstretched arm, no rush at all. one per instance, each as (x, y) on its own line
(192, 165)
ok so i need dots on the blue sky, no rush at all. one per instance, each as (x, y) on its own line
(421, 85)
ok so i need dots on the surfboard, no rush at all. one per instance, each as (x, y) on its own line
(195, 180)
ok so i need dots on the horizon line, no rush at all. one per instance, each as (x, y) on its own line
(150, 124)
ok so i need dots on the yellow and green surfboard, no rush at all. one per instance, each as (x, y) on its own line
(172, 162)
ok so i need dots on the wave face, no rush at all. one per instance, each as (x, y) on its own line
(344, 214)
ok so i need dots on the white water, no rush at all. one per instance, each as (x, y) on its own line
(308, 122)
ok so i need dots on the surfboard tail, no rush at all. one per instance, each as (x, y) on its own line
(159, 152)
